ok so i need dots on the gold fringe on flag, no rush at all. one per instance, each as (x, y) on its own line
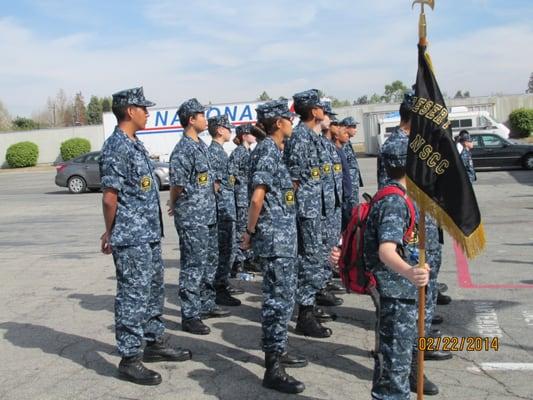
(472, 245)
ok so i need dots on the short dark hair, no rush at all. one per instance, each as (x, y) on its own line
(120, 112)
(405, 112)
(305, 112)
(395, 172)
(270, 125)
(184, 119)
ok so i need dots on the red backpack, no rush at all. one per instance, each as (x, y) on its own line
(353, 274)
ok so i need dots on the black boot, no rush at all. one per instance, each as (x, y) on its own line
(437, 320)
(325, 298)
(132, 369)
(215, 312)
(442, 287)
(308, 325)
(292, 360)
(276, 378)
(443, 299)
(430, 389)
(234, 290)
(195, 326)
(335, 288)
(437, 355)
(157, 351)
(323, 316)
(224, 298)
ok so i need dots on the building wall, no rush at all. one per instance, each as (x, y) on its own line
(49, 141)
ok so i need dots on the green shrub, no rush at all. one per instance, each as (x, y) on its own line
(522, 121)
(74, 147)
(22, 154)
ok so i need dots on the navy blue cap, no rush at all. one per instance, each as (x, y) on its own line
(133, 97)
(274, 109)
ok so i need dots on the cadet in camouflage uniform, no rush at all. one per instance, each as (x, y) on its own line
(193, 205)
(303, 159)
(239, 161)
(133, 234)
(391, 258)
(399, 138)
(464, 146)
(331, 218)
(220, 130)
(271, 228)
(350, 124)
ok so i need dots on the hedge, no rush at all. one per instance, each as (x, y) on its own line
(522, 121)
(22, 154)
(74, 147)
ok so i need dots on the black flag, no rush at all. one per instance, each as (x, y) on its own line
(436, 177)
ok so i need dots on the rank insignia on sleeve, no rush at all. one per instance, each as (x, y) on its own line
(289, 197)
(315, 173)
(146, 183)
(203, 178)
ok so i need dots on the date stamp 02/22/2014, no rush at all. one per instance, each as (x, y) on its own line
(456, 343)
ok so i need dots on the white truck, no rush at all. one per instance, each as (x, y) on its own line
(460, 118)
(163, 129)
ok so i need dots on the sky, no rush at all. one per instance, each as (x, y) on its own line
(227, 51)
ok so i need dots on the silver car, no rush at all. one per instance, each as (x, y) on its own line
(83, 172)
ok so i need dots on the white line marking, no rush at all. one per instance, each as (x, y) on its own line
(502, 367)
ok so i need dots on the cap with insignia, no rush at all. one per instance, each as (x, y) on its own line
(394, 152)
(329, 111)
(274, 109)
(131, 97)
(244, 129)
(219, 120)
(190, 108)
(349, 121)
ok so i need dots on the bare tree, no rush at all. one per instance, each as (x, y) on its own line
(5, 118)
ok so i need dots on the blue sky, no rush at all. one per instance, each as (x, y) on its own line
(223, 51)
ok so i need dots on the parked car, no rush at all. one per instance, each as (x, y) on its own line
(491, 150)
(83, 172)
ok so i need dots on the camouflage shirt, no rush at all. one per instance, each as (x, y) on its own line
(329, 194)
(190, 169)
(125, 167)
(303, 162)
(466, 157)
(225, 197)
(275, 232)
(353, 166)
(387, 222)
(239, 161)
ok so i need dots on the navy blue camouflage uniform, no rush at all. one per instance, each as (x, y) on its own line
(195, 221)
(239, 163)
(303, 160)
(136, 235)
(397, 311)
(466, 157)
(274, 241)
(225, 201)
(354, 171)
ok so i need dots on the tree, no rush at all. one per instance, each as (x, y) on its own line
(94, 111)
(530, 84)
(458, 95)
(24, 124)
(336, 103)
(264, 96)
(78, 109)
(5, 118)
(376, 98)
(466, 94)
(394, 92)
(106, 104)
(362, 100)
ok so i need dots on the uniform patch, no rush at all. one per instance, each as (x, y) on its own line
(413, 240)
(315, 173)
(146, 183)
(337, 167)
(231, 180)
(289, 197)
(326, 168)
(203, 178)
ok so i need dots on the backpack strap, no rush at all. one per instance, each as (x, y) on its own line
(387, 191)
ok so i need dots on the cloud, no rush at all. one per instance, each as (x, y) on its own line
(232, 51)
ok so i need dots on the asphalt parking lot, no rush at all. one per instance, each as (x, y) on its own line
(57, 291)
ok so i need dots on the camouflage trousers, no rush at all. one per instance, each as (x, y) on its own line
(434, 259)
(140, 296)
(396, 325)
(331, 232)
(310, 259)
(227, 247)
(279, 289)
(198, 264)
(240, 228)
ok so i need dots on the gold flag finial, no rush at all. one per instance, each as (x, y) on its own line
(422, 26)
